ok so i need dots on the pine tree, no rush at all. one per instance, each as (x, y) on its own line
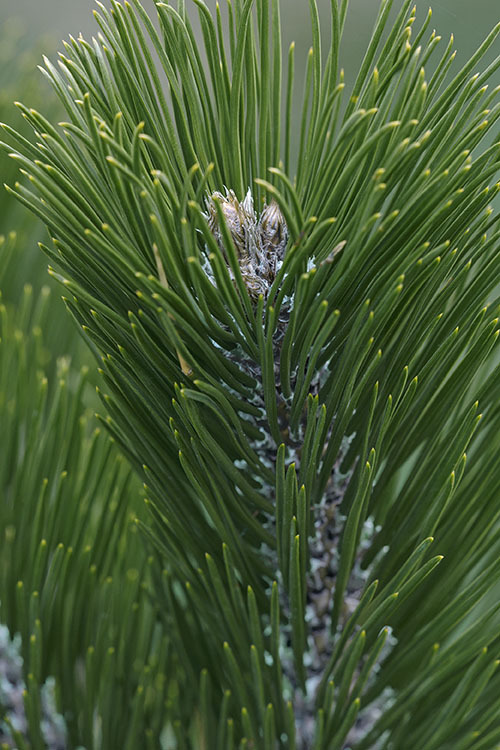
(297, 356)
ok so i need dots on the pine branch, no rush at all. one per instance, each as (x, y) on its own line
(292, 361)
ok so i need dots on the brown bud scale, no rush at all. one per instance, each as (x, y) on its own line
(260, 242)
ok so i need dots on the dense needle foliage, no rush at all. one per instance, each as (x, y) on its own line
(70, 565)
(298, 356)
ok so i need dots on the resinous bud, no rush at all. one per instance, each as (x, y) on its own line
(259, 242)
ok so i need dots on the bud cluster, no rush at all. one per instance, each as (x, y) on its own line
(260, 242)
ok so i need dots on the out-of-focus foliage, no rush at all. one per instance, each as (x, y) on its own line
(19, 229)
(74, 576)
(18, 76)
